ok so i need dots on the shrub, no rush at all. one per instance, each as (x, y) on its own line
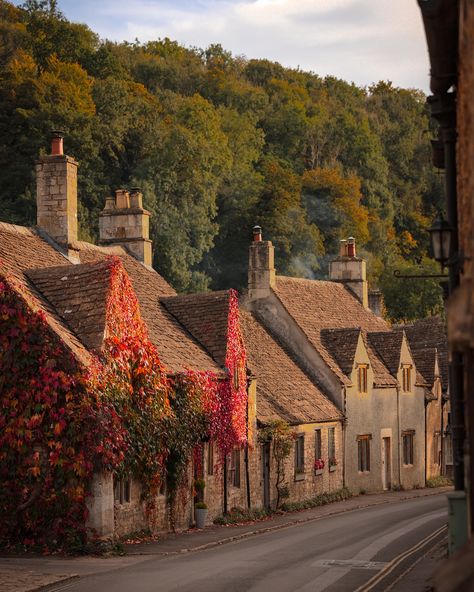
(439, 481)
(200, 506)
(319, 500)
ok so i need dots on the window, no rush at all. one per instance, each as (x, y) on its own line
(299, 454)
(436, 448)
(362, 378)
(408, 438)
(332, 447)
(210, 458)
(363, 451)
(234, 472)
(122, 491)
(318, 451)
(406, 375)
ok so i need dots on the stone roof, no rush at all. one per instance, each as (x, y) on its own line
(205, 316)
(319, 305)
(24, 249)
(177, 349)
(342, 344)
(426, 338)
(388, 346)
(284, 391)
(21, 249)
(79, 295)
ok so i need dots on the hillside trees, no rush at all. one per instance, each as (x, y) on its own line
(218, 143)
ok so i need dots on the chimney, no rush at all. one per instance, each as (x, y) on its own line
(125, 222)
(56, 194)
(261, 266)
(350, 270)
(376, 303)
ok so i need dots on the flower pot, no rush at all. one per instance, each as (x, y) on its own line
(200, 515)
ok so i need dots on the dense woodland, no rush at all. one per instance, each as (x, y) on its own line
(219, 143)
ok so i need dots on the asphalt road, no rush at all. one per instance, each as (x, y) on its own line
(338, 553)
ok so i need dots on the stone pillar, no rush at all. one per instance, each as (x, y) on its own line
(56, 194)
(125, 222)
(101, 505)
(261, 274)
(351, 271)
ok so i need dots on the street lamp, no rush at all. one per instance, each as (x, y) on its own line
(441, 233)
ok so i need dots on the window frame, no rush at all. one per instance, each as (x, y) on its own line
(408, 447)
(362, 379)
(363, 453)
(210, 458)
(234, 469)
(122, 491)
(318, 449)
(332, 461)
(299, 455)
(407, 378)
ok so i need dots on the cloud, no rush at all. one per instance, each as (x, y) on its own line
(357, 40)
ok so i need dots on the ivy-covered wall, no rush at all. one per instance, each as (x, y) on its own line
(60, 422)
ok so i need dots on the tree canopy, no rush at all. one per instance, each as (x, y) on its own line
(219, 143)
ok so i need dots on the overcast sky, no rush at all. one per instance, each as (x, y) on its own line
(358, 40)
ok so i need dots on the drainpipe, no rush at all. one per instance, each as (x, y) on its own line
(398, 439)
(225, 484)
(426, 433)
(246, 457)
(344, 422)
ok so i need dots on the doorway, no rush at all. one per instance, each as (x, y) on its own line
(386, 464)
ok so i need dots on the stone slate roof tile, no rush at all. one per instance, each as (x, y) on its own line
(177, 349)
(284, 391)
(426, 338)
(205, 316)
(79, 295)
(388, 346)
(21, 249)
(321, 305)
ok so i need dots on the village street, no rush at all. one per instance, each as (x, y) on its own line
(339, 552)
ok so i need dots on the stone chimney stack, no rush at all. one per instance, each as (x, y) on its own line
(125, 222)
(261, 266)
(351, 270)
(376, 303)
(56, 194)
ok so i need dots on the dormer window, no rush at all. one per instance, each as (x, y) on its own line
(362, 378)
(406, 378)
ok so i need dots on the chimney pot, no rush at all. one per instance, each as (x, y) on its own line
(343, 248)
(122, 199)
(136, 198)
(109, 203)
(57, 143)
(257, 234)
(351, 247)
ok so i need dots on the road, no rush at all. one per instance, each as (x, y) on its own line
(338, 553)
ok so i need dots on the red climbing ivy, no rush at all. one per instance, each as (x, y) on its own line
(61, 421)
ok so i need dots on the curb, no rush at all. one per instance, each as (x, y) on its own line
(295, 522)
(55, 585)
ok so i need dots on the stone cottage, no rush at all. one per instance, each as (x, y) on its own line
(278, 390)
(366, 369)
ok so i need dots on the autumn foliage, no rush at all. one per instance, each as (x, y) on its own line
(61, 421)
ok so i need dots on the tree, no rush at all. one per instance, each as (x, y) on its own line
(282, 438)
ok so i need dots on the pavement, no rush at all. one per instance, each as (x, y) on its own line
(27, 573)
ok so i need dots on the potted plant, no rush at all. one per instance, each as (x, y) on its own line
(318, 466)
(200, 514)
(332, 463)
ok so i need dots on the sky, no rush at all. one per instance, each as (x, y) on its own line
(360, 41)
